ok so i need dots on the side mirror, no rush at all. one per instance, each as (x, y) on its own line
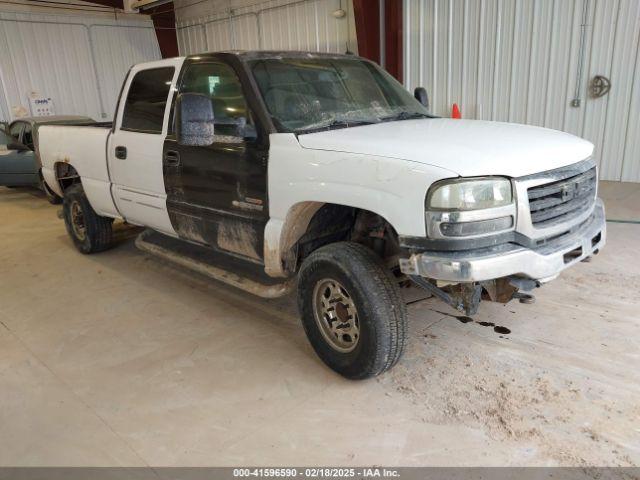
(17, 146)
(421, 95)
(194, 120)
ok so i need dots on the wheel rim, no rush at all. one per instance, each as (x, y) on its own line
(336, 315)
(77, 221)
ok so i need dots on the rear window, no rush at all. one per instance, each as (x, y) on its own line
(5, 139)
(147, 99)
(16, 128)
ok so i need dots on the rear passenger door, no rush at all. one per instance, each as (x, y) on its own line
(135, 147)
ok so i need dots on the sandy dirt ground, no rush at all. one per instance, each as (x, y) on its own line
(122, 359)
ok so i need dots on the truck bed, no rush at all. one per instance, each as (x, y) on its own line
(85, 147)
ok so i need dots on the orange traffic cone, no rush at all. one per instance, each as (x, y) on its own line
(455, 111)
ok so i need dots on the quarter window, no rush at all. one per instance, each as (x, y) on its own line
(147, 100)
(27, 136)
(16, 128)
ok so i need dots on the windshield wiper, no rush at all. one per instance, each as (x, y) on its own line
(404, 116)
(337, 123)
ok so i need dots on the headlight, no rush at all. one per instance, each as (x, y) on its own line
(470, 194)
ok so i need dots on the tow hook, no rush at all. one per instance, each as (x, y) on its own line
(524, 285)
(466, 300)
(465, 297)
(524, 298)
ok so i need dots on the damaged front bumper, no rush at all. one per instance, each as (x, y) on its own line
(542, 263)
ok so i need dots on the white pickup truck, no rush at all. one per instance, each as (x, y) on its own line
(323, 169)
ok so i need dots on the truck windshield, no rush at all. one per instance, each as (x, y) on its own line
(305, 95)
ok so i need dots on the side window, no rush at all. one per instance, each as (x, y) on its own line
(146, 100)
(27, 136)
(16, 128)
(220, 82)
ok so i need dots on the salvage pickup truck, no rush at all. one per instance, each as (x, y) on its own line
(323, 171)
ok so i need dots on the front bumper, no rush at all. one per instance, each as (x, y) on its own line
(542, 263)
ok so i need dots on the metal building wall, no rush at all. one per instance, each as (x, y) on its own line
(275, 25)
(4, 108)
(519, 61)
(78, 61)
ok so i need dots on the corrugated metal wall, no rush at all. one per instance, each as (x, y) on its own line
(270, 25)
(4, 108)
(78, 61)
(518, 61)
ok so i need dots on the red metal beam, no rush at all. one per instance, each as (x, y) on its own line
(393, 37)
(164, 21)
(367, 17)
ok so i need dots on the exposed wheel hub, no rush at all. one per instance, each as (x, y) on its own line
(77, 221)
(336, 315)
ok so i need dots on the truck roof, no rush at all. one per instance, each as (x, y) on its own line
(264, 54)
(250, 55)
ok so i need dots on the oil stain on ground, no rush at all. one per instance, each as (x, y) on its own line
(465, 319)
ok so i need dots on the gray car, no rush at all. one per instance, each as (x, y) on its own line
(19, 162)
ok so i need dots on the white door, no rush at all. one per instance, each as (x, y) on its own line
(136, 147)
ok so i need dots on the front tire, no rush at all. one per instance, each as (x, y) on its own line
(352, 310)
(90, 232)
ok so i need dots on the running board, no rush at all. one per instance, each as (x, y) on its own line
(203, 260)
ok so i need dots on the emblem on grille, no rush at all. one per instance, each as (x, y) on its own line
(568, 192)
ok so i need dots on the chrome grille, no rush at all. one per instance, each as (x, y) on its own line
(561, 201)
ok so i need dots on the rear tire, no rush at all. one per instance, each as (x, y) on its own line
(90, 232)
(352, 311)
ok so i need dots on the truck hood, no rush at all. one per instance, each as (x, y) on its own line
(466, 147)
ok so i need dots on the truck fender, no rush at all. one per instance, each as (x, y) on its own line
(281, 235)
(98, 192)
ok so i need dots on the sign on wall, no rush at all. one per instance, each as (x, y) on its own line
(40, 105)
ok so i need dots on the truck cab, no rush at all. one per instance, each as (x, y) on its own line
(322, 169)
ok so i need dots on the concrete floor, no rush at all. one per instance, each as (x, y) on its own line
(120, 359)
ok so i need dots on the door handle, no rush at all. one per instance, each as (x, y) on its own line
(121, 152)
(171, 158)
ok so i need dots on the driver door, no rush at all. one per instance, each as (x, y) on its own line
(217, 194)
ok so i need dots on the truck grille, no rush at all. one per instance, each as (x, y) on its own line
(563, 200)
